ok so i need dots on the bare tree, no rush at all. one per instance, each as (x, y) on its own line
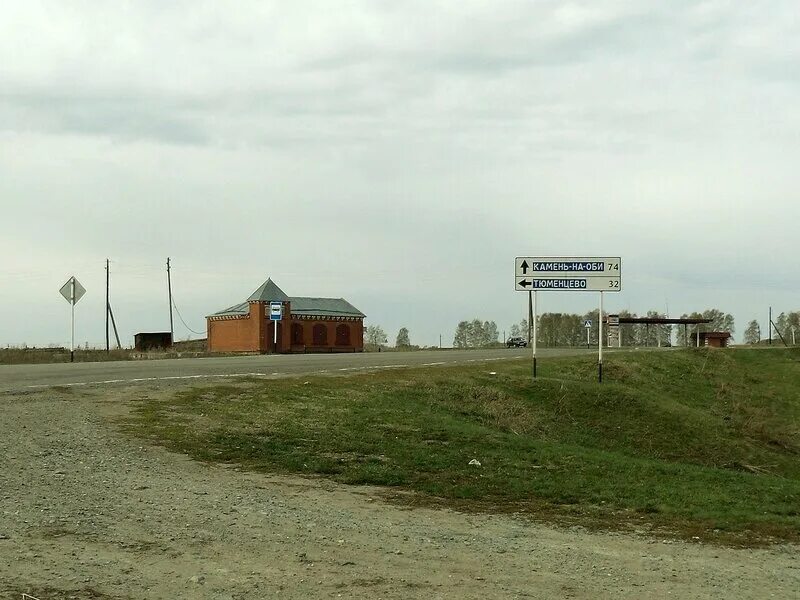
(375, 335)
(752, 335)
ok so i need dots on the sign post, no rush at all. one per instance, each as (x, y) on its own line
(600, 342)
(533, 341)
(72, 292)
(275, 315)
(569, 274)
(588, 325)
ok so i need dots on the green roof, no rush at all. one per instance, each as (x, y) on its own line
(300, 305)
(237, 309)
(268, 292)
(324, 307)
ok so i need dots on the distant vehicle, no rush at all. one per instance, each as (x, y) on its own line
(516, 342)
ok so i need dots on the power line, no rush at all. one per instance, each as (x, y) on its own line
(181, 318)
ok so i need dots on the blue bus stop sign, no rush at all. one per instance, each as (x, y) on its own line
(275, 311)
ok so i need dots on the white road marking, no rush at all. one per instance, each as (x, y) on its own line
(141, 379)
(274, 374)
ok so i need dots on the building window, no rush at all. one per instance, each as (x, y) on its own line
(343, 335)
(297, 333)
(320, 335)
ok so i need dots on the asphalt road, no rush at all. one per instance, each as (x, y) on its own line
(20, 377)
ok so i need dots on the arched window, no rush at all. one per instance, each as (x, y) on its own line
(320, 334)
(297, 333)
(343, 335)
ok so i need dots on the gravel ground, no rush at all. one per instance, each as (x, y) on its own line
(88, 512)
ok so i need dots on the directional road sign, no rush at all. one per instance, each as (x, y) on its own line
(568, 274)
(72, 294)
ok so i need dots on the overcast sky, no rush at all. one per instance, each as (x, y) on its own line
(398, 154)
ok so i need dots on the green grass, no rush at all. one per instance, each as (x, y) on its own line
(700, 443)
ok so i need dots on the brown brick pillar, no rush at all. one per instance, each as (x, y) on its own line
(358, 335)
(258, 327)
(285, 339)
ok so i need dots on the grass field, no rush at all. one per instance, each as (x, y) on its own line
(691, 442)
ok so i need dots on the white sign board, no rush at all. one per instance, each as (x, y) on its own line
(587, 323)
(275, 311)
(72, 290)
(568, 274)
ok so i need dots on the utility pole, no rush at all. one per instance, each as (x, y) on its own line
(109, 312)
(770, 326)
(108, 303)
(169, 289)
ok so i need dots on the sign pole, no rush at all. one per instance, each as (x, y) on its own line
(275, 315)
(530, 315)
(72, 306)
(533, 345)
(600, 342)
(588, 340)
(72, 291)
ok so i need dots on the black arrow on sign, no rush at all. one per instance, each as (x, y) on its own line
(524, 266)
(525, 283)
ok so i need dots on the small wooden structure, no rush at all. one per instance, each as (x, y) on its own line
(714, 339)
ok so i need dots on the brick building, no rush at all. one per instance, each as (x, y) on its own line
(308, 325)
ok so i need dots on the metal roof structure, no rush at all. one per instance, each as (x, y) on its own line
(659, 320)
(268, 292)
(236, 309)
(328, 307)
(300, 305)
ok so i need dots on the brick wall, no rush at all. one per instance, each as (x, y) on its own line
(231, 335)
(254, 333)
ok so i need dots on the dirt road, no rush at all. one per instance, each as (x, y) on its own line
(87, 512)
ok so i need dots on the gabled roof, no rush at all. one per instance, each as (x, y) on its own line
(268, 292)
(237, 309)
(324, 307)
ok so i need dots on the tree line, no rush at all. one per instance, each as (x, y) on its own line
(784, 323)
(375, 337)
(476, 334)
(568, 329)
